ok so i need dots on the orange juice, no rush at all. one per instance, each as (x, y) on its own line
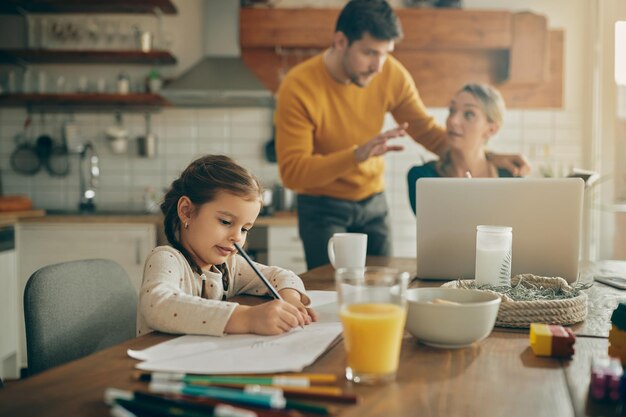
(372, 336)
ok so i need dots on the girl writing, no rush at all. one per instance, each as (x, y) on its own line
(210, 207)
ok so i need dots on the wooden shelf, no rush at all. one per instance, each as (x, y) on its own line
(516, 52)
(86, 99)
(84, 6)
(313, 28)
(69, 56)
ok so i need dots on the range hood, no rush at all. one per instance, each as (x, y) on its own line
(220, 78)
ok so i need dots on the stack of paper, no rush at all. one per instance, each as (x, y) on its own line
(244, 354)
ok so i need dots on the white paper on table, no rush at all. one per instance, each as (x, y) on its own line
(324, 303)
(240, 354)
(248, 353)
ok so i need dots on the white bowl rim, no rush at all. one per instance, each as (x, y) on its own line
(469, 304)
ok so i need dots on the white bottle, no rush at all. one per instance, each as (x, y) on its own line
(493, 255)
(123, 83)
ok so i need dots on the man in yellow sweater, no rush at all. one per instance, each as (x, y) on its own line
(330, 112)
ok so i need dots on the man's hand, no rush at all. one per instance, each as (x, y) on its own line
(378, 144)
(516, 164)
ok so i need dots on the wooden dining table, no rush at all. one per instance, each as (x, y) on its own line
(499, 376)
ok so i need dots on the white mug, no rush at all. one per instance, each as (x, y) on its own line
(347, 250)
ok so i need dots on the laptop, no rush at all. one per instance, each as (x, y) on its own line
(546, 216)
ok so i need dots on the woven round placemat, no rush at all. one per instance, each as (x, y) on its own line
(520, 314)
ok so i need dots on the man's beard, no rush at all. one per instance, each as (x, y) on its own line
(354, 77)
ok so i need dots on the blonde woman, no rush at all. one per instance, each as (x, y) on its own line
(476, 112)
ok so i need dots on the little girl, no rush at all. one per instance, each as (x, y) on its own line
(210, 207)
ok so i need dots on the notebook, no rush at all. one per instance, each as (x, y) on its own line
(546, 216)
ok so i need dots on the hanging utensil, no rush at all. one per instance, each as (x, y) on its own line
(89, 174)
(118, 136)
(58, 161)
(147, 144)
(24, 159)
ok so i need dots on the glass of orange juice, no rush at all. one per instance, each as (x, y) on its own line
(372, 308)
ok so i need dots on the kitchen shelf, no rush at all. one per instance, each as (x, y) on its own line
(70, 56)
(84, 100)
(83, 6)
(442, 49)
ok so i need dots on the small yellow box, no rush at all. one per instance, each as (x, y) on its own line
(617, 337)
(551, 340)
(617, 352)
(540, 339)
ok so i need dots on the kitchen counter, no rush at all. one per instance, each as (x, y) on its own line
(95, 218)
(281, 218)
(8, 218)
(40, 216)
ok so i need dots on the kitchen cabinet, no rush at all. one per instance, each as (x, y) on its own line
(277, 244)
(143, 100)
(40, 244)
(284, 248)
(9, 344)
(442, 49)
(71, 56)
(88, 101)
(73, 6)
(26, 56)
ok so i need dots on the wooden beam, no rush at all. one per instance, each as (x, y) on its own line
(529, 50)
(439, 74)
(454, 29)
(423, 28)
(548, 94)
(442, 49)
(296, 28)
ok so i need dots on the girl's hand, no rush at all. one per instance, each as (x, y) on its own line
(294, 298)
(271, 318)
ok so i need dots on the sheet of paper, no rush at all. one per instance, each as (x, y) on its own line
(325, 305)
(248, 353)
(240, 354)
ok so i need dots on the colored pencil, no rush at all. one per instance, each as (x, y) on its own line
(269, 286)
(218, 393)
(190, 402)
(289, 392)
(141, 408)
(262, 412)
(310, 408)
(315, 392)
(198, 379)
(313, 378)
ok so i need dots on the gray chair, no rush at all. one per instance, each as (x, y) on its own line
(73, 309)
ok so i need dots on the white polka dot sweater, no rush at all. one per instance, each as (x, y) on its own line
(171, 298)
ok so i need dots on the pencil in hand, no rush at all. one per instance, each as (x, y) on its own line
(269, 286)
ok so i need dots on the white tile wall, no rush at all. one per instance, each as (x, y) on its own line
(551, 139)
(183, 134)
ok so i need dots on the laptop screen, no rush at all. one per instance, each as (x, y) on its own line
(545, 214)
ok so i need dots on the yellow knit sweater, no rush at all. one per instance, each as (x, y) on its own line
(320, 122)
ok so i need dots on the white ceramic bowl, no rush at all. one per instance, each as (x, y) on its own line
(451, 325)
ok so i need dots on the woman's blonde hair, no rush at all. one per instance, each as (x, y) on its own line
(490, 99)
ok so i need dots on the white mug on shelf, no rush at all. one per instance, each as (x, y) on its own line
(347, 250)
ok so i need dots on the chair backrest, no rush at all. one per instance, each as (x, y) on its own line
(73, 309)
